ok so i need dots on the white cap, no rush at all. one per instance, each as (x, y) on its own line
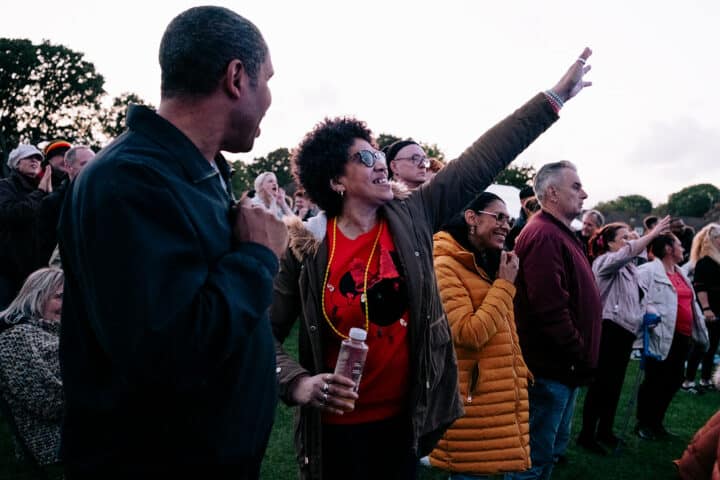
(358, 334)
(23, 150)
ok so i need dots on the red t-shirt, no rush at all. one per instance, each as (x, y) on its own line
(683, 325)
(384, 384)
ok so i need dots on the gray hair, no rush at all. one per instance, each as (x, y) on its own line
(198, 45)
(39, 287)
(599, 218)
(548, 176)
(71, 155)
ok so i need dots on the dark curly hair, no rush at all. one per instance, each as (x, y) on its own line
(598, 243)
(321, 157)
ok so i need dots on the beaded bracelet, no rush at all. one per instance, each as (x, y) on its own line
(554, 100)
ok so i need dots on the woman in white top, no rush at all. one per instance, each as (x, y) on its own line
(270, 195)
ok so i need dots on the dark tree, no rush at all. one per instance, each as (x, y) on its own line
(635, 204)
(516, 175)
(693, 201)
(277, 161)
(48, 91)
(112, 119)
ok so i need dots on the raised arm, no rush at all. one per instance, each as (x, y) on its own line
(479, 164)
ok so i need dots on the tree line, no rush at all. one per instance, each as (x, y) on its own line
(50, 91)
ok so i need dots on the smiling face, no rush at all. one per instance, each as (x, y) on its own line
(361, 184)
(52, 310)
(488, 232)
(404, 169)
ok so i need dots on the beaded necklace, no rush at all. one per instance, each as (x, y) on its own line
(363, 297)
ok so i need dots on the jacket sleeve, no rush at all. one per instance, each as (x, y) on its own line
(476, 168)
(610, 263)
(16, 210)
(285, 310)
(31, 369)
(547, 290)
(472, 329)
(163, 311)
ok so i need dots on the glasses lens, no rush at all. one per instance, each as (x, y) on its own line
(368, 157)
(420, 160)
(502, 218)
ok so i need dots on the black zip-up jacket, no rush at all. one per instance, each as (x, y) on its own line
(166, 350)
(20, 202)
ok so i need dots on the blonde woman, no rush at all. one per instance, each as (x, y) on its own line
(270, 196)
(705, 261)
(29, 364)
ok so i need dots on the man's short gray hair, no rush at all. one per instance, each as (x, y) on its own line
(71, 155)
(597, 217)
(547, 176)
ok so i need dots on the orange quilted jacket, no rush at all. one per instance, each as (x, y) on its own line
(493, 436)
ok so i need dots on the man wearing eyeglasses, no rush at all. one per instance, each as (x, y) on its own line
(408, 163)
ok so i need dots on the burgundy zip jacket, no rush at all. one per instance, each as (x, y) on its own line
(557, 306)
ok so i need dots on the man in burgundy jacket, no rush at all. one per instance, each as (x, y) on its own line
(558, 313)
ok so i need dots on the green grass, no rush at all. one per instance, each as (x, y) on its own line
(639, 460)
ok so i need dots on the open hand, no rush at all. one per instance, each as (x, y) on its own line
(573, 81)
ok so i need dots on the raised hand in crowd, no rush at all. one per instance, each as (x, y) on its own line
(573, 81)
(46, 182)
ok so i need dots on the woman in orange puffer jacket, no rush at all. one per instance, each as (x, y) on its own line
(475, 277)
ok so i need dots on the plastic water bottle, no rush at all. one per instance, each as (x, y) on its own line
(351, 359)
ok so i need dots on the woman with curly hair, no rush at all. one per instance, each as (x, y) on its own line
(366, 261)
(623, 300)
(705, 260)
(29, 365)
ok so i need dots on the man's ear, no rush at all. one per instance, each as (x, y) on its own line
(391, 165)
(235, 78)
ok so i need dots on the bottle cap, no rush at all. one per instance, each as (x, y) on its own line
(358, 334)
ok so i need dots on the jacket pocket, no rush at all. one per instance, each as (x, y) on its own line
(472, 383)
(440, 341)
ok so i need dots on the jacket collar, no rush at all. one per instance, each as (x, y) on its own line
(141, 119)
(549, 217)
(445, 245)
(21, 181)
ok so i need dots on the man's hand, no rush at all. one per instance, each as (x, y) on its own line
(256, 224)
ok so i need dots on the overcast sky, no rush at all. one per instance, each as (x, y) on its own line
(444, 72)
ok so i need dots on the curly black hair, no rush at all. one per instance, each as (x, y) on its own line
(321, 157)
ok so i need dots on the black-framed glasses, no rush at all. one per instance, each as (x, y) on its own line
(500, 217)
(369, 157)
(417, 160)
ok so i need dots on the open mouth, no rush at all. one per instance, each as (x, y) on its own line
(380, 181)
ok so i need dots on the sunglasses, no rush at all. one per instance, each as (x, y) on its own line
(500, 218)
(368, 157)
(417, 160)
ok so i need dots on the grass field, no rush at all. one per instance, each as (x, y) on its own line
(639, 460)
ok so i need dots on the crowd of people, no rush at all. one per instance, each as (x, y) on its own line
(144, 310)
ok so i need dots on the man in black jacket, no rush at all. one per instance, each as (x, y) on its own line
(166, 351)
